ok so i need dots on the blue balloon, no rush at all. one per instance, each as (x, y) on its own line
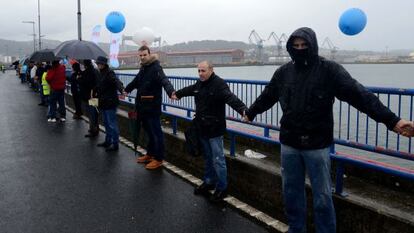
(352, 21)
(115, 22)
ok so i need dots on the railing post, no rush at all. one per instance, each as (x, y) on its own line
(339, 188)
(174, 125)
(188, 113)
(232, 144)
(266, 132)
(164, 107)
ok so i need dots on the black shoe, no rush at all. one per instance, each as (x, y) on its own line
(104, 144)
(218, 196)
(41, 104)
(112, 148)
(91, 135)
(203, 189)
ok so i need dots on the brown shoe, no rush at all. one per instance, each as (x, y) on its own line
(144, 159)
(154, 164)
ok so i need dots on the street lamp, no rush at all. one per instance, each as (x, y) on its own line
(79, 21)
(34, 34)
(38, 14)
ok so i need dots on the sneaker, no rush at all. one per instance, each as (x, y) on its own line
(218, 196)
(203, 189)
(62, 119)
(145, 159)
(154, 164)
(49, 119)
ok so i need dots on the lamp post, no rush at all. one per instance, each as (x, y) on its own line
(38, 16)
(79, 21)
(34, 34)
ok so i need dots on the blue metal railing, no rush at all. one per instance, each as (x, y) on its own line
(352, 129)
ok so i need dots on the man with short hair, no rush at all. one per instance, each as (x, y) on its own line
(149, 83)
(306, 88)
(211, 94)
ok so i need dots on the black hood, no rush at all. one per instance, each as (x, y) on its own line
(308, 35)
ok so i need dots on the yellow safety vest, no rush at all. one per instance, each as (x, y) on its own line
(45, 85)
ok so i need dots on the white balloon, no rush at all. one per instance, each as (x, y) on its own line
(145, 36)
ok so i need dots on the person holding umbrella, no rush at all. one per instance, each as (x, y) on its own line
(106, 91)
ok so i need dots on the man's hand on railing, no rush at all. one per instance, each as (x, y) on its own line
(405, 128)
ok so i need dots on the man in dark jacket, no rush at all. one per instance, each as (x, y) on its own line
(107, 93)
(306, 88)
(74, 88)
(87, 81)
(149, 83)
(211, 94)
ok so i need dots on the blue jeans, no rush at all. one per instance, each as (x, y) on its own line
(111, 126)
(215, 171)
(318, 165)
(54, 98)
(152, 126)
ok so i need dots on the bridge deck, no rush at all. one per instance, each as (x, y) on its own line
(55, 180)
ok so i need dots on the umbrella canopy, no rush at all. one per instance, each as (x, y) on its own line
(43, 55)
(79, 49)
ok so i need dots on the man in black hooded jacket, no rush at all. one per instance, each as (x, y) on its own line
(306, 88)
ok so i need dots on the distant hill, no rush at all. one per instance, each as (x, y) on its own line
(20, 48)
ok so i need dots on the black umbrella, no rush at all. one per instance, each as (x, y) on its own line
(79, 49)
(43, 55)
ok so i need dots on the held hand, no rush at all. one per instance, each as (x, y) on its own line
(174, 96)
(405, 128)
(245, 118)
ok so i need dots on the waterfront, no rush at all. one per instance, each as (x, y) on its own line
(380, 75)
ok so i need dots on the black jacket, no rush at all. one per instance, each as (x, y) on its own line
(87, 82)
(211, 97)
(107, 89)
(306, 95)
(149, 82)
(74, 86)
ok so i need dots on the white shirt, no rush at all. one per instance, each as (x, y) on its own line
(33, 72)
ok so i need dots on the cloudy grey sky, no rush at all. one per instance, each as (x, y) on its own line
(390, 22)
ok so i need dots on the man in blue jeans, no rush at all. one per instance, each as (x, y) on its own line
(211, 94)
(149, 83)
(107, 93)
(306, 88)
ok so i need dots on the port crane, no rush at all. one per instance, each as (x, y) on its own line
(254, 38)
(279, 42)
(333, 49)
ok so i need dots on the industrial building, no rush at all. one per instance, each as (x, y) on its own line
(233, 56)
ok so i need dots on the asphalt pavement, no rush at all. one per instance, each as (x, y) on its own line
(52, 179)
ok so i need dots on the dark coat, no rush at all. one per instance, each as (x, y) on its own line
(306, 95)
(211, 97)
(74, 85)
(149, 83)
(107, 89)
(87, 82)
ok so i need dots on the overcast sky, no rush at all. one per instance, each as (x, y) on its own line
(390, 22)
